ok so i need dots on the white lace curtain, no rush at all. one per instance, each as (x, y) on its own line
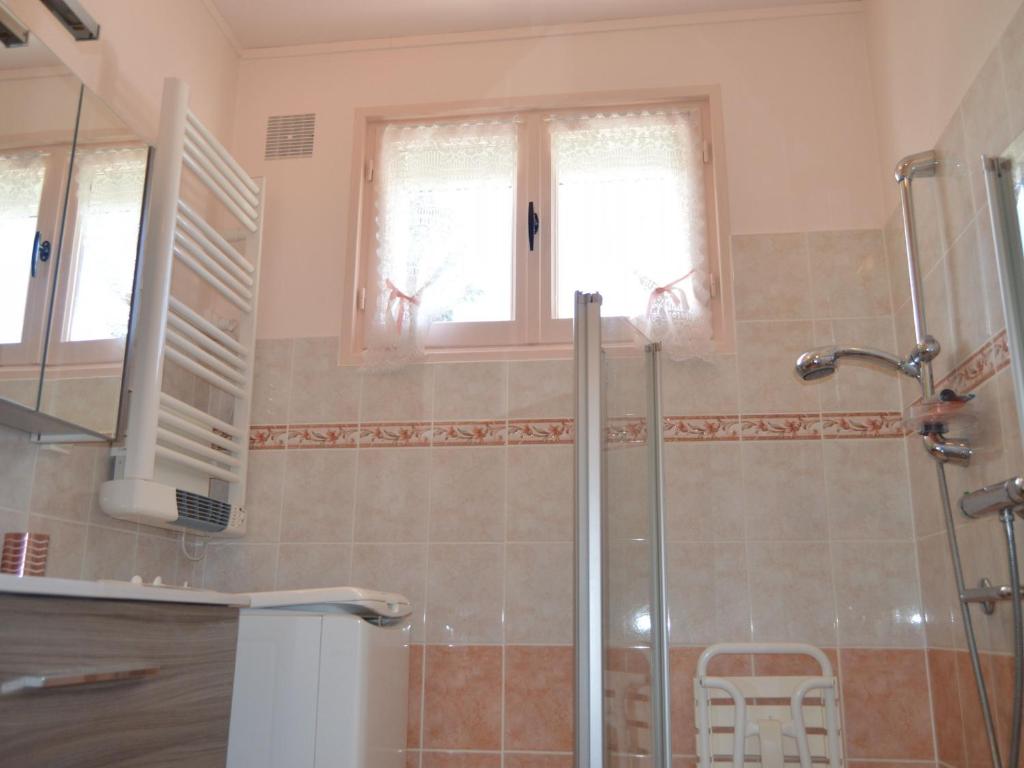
(21, 186)
(444, 208)
(631, 221)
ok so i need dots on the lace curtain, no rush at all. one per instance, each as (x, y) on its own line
(631, 221)
(21, 186)
(444, 207)
(109, 189)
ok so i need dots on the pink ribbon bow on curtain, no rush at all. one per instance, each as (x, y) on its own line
(403, 300)
(670, 290)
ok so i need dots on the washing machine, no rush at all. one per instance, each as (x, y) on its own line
(321, 680)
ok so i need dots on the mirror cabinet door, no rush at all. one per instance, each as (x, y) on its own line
(39, 100)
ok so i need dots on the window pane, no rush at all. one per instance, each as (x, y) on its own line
(21, 187)
(628, 208)
(445, 207)
(109, 188)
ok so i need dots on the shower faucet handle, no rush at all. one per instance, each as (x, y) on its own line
(992, 499)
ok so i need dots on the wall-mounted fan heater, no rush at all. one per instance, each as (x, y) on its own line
(181, 466)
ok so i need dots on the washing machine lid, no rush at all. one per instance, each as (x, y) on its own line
(362, 602)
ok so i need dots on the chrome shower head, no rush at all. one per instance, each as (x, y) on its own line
(823, 361)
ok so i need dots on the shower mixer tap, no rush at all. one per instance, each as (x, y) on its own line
(993, 499)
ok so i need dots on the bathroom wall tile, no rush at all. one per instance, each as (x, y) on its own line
(465, 583)
(1011, 48)
(628, 579)
(767, 352)
(400, 568)
(402, 395)
(158, 554)
(877, 594)
(18, 458)
(539, 698)
(992, 297)
(783, 664)
(973, 284)
(910, 390)
(462, 700)
(896, 257)
(271, 381)
(703, 492)
(461, 760)
(414, 711)
(528, 760)
(12, 520)
(938, 592)
(986, 120)
(860, 386)
(540, 493)
(699, 386)
(64, 481)
(949, 727)
(240, 567)
(928, 224)
(392, 495)
(109, 554)
(884, 698)
(319, 492)
(538, 592)
(866, 490)
(975, 741)
(264, 495)
(305, 566)
(952, 182)
(783, 484)
(936, 299)
(540, 388)
(848, 273)
(412, 758)
(791, 593)
(67, 546)
(924, 488)
(471, 391)
(467, 494)
(625, 385)
(1013, 445)
(626, 482)
(708, 596)
(771, 279)
(320, 389)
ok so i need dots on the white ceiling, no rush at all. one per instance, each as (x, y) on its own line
(270, 23)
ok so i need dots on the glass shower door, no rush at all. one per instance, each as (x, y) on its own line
(621, 643)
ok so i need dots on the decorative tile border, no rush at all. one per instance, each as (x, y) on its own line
(626, 430)
(394, 435)
(838, 426)
(979, 367)
(268, 437)
(304, 436)
(541, 431)
(469, 433)
(780, 426)
(695, 429)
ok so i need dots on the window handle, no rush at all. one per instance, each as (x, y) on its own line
(40, 251)
(532, 224)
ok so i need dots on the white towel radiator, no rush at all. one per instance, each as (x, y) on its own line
(181, 466)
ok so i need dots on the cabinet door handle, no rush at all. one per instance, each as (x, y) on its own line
(79, 677)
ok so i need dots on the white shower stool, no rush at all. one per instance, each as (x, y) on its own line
(766, 721)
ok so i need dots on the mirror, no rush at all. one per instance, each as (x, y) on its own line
(72, 187)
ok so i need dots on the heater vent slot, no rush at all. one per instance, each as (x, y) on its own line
(201, 512)
(290, 136)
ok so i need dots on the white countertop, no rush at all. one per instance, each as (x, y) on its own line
(116, 590)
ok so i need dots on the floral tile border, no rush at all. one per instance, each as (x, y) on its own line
(541, 431)
(394, 435)
(687, 429)
(979, 367)
(445, 433)
(267, 437)
(626, 430)
(780, 426)
(838, 426)
(305, 436)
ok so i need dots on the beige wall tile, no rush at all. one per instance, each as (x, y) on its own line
(627, 480)
(471, 391)
(319, 491)
(400, 568)
(305, 566)
(791, 593)
(866, 490)
(540, 388)
(877, 594)
(402, 395)
(67, 545)
(109, 554)
(467, 494)
(973, 283)
(465, 583)
(860, 386)
(158, 554)
(540, 493)
(392, 495)
(767, 353)
(264, 496)
(705, 386)
(896, 256)
(938, 592)
(320, 389)
(628, 577)
(538, 592)
(783, 490)
(271, 382)
(64, 483)
(849, 276)
(708, 596)
(771, 278)
(924, 489)
(240, 567)
(703, 492)
(952, 182)
(1011, 48)
(986, 120)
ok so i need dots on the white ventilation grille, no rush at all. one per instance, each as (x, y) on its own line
(290, 136)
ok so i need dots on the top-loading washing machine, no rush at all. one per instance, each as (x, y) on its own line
(321, 680)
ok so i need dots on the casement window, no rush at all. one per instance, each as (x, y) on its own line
(477, 230)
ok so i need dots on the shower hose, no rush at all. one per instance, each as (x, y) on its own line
(1007, 517)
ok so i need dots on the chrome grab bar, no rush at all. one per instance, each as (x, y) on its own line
(79, 677)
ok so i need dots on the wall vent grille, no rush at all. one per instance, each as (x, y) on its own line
(290, 136)
(201, 512)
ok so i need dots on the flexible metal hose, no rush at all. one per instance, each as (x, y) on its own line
(1007, 516)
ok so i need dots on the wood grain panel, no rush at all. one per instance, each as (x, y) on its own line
(179, 718)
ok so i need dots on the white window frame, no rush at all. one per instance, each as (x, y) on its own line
(533, 333)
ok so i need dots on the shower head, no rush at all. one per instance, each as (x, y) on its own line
(823, 361)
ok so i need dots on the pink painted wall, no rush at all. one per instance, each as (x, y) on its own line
(798, 112)
(142, 42)
(924, 54)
